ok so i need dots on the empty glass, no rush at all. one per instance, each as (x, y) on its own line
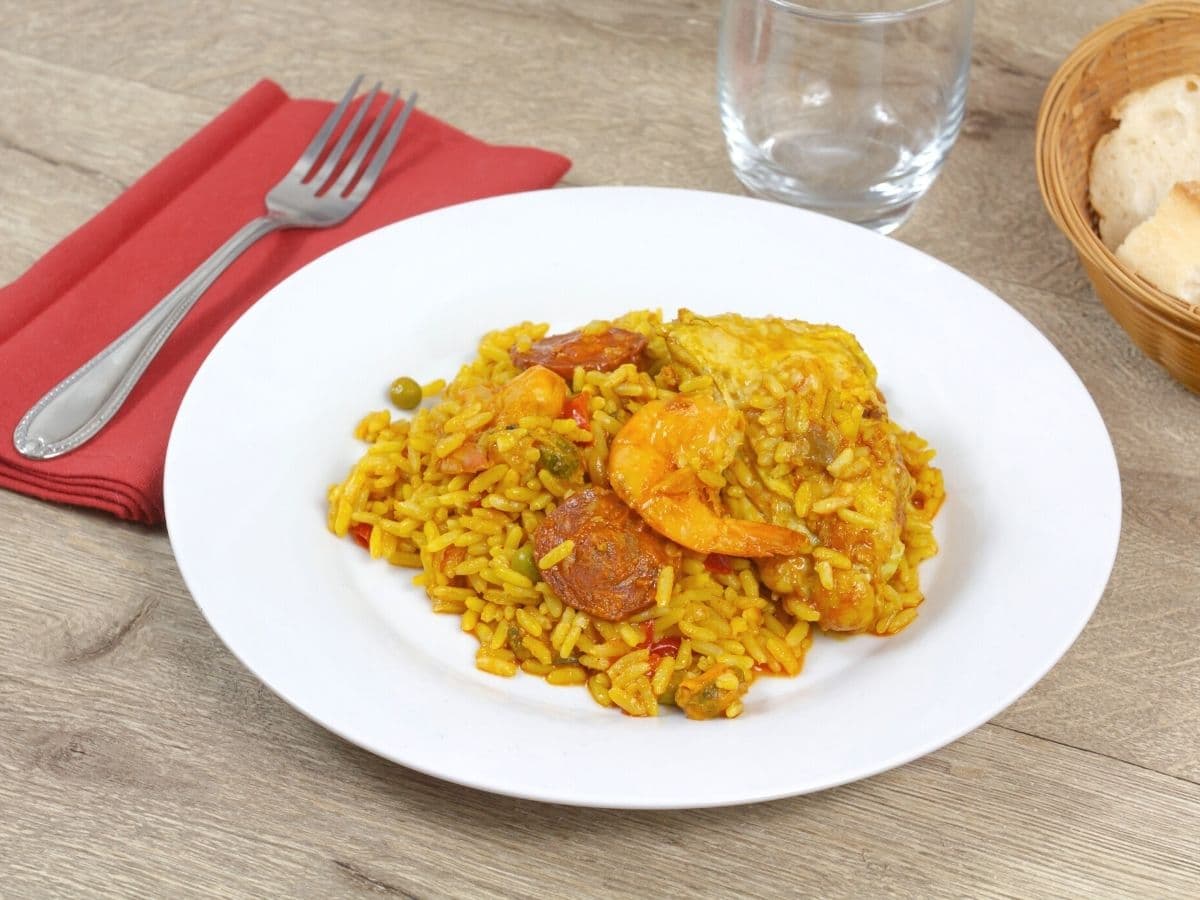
(847, 107)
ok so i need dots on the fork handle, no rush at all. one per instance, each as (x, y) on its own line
(75, 409)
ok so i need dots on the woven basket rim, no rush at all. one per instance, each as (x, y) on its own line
(1051, 176)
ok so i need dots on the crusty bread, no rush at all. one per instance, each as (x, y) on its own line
(1156, 145)
(1165, 249)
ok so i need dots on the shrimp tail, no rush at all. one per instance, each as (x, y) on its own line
(705, 532)
(759, 539)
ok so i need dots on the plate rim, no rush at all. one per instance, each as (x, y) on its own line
(552, 793)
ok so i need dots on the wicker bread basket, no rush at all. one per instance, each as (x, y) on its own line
(1133, 51)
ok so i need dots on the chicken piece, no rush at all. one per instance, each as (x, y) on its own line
(737, 351)
(820, 457)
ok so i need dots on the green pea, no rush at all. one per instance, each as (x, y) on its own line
(523, 562)
(405, 393)
(558, 456)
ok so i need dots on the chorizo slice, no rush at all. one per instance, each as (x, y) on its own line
(613, 571)
(600, 352)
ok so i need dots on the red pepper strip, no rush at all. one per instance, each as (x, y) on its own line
(577, 409)
(659, 649)
(665, 647)
(662, 648)
(718, 564)
(361, 532)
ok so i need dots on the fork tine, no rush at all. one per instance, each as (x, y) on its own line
(335, 155)
(352, 167)
(317, 144)
(385, 150)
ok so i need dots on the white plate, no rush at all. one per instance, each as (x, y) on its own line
(1028, 533)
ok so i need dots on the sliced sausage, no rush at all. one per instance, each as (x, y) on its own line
(613, 571)
(601, 352)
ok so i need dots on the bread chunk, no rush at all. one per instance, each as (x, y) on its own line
(1156, 145)
(1165, 249)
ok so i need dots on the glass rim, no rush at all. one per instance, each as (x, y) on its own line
(916, 7)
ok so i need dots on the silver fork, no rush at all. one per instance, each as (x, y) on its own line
(75, 410)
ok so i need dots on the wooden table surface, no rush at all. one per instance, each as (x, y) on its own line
(140, 759)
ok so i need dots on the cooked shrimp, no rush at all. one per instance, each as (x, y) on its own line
(467, 459)
(601, 352)
(653, 466)
(535, 392)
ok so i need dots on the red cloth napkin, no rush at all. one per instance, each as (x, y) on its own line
(98, 281)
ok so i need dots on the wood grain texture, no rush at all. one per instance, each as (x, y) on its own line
(138, 758)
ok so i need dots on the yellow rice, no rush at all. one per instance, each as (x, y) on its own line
(712, 631)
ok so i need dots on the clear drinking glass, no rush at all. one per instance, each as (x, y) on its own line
(846, 107)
